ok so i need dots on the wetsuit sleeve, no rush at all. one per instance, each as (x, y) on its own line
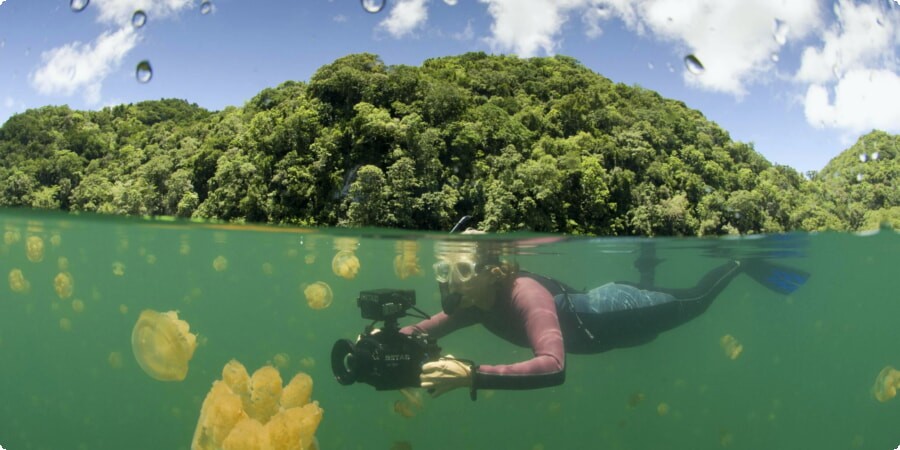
(534, 307)
(441, 324)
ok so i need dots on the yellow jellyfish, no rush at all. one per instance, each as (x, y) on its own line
(345, 264)
(34, 248)
(662, 409)
(310, 258)
(115, 360)
(318, 295)
(163, 345)
(55, 240)
(348, 244)
(17, 282)
(220, 264)
(308, 362)
(886, 384)
(118, 269)
(63, 263)
(11, 237)
(123, 308)
(268, 268)
(731, 346)
(64, 285)
(406, 263)
(65, 324)
(77, 305)
(230, 417)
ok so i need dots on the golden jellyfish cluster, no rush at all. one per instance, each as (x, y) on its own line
(242, 412)
(318, 295)
(406, 263)
(731, 346)
(886, 384)
(345, 264)
(17, 282)
(163, 345)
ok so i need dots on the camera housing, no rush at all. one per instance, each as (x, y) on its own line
(384, 358)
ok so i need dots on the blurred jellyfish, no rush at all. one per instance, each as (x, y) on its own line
(163, 345)
(318, 295)
(17, 282)
(308, 362)
(65, 324)
(34, 248)
(78, 305)
(62, 263)
(886, 384)
(731, 346)
(281, 360)
(662, 409)
(268, 268)
(220, 264)
(11, 237)
(123, 309)
(55, 240)
(115, 360)
(64, 285)
(345, 264)
(406, 262)
(118, 269)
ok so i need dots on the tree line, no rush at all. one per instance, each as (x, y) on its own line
(539, 144)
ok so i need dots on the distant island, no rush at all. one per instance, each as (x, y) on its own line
(537, 144)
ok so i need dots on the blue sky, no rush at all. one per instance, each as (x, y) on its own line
(800, 79)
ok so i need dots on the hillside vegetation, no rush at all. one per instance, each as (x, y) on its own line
(540, 144)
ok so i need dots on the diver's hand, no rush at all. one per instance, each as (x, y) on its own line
(445, 374)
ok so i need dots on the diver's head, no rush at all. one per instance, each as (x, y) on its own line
(468, 273)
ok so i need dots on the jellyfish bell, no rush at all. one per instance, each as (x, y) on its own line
(886, 384)
(345, 264)
(318, 295)
(163, 345)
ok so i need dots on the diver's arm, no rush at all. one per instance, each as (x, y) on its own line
(442, 324)
(537, 311)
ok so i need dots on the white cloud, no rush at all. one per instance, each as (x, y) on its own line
(466, 34)
(78, 67)
(528, 26)
(340, 18)
(863, 100)
(405, 17)
(857, 62)
(119, 12)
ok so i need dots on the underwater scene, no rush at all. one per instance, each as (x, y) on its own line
(126, 333)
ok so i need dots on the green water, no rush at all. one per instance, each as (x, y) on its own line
(803, 380)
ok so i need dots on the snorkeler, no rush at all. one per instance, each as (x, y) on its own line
(553, 319)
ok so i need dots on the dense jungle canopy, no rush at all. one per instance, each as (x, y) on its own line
(540, 144)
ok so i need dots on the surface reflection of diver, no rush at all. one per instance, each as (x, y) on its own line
(384, 358)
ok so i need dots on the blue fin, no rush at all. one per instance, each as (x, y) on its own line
(781, 279)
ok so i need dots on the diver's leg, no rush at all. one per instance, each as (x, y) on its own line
(646, 265)
(696, 299)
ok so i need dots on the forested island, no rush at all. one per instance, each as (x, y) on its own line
(538, 144)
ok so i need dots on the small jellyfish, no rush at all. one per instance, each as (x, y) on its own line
(281, 360)
(78, 305)
(406, 263)
(123, 309)
(17, 282)
(886, 384)
(268, 269)
(404, 409)
(34, 248)
(635, 399)
(318, 295)
(118, 269)
(64, 285)
(345, 264)
(11, 237)
(62, 263)
(151, 259)
(220, 264)
(308, 362)
(55, 240)
(115, 360)
(163, 345)
(65, 324)
(662, 409)
(310, 258)
(731, 346)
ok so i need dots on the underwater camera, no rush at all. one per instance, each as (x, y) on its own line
(384, 358)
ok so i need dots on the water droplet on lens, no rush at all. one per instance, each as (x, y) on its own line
(774, 57)
(206, 7)
(859, 177)
(863, 157)
(693, 64)
(450, 2)
(78, 5)
(373, 6)
(780, 32)
(144, 72)
(650, 66)
(138, 19)
(874, 156)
